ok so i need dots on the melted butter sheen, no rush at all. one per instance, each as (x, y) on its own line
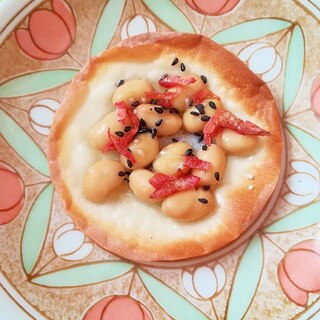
(145, 219)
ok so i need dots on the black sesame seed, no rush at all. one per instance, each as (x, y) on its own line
(175, 110)
(175, 61)
(127, 128)
(158, 123)
(120, 83)
(129, 163)
(121, 173)
(212, 105)
(200, 136)
(174, 140)
(119, 133)
(126, 180)
(205, 118)
(143, 130)
(206, 188)
(142, 123)
(203, 200)
(164, 76)
(195, 113)
(158, 109)
(153, 101)
(188, 152)
(154, 132)
(128, 173)
(203, 78)
(200, 108)
(204, 147)
(217, 175)
(135, 103)
(182, 67)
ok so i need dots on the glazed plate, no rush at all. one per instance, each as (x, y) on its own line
(50, 270)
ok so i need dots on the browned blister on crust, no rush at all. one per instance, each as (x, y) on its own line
(238, 203)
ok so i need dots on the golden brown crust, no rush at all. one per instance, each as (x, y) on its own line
(244, 206)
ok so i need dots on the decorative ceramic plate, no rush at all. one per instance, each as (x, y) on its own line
(50, 270)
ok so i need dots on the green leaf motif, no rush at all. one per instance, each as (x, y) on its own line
(298, 219)
(250, 30)
(35, 82)
(293, 71)
(22, 144)
(246, 280)
(308, 142)
(36, 228)
(170, 14)
(107, 25)
(86, 274)
(172, 302)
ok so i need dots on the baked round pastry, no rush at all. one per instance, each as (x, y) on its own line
(120, 220)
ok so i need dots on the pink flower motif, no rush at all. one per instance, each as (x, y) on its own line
(315, 97)
(11, 195)
(212, 7)
(118, 308)
(299, 271)
(50, 33)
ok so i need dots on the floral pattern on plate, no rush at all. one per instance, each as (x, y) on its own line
(50, 32)
(274, 272)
